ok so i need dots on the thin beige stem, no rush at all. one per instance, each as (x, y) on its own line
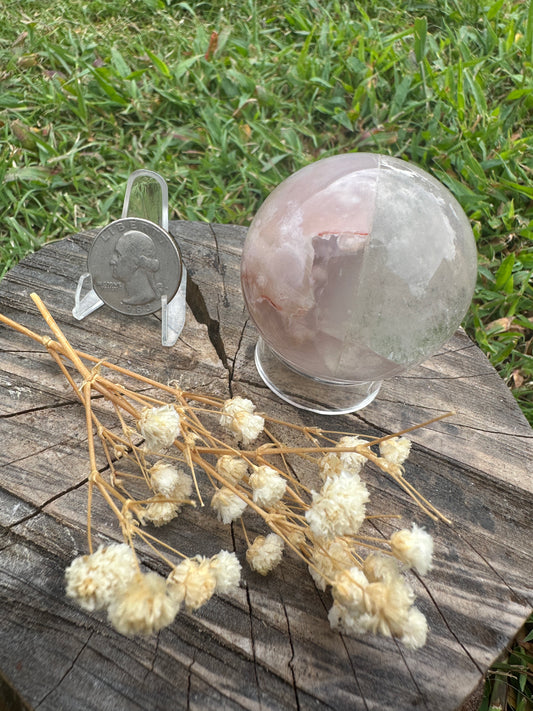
(43, 340)
(58, 346)
(414, 427)
(245, 533)
(110, 462)
(293, 426)
(297, 516)
(110, 395)
(58, 333)
(420, 500)
(102, 489)
(65, 372)
(186, 450)
(222, 480)
(296, 550)
(144, 535)
(156, 551)
(286, 473)
(89, 515)
(216, 402)
(357, 558)
(140, 462)
(128, 475)
(101, 483)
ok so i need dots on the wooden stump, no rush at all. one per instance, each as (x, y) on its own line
(268, 646)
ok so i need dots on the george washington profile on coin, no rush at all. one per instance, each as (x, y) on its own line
(134, 263)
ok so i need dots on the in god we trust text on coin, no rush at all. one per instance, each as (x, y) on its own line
(133, 263)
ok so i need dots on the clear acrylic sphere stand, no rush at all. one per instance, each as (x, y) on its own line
(325, 397)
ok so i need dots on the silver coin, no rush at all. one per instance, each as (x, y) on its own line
(133, 262)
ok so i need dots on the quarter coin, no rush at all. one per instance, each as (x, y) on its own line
(133, 263)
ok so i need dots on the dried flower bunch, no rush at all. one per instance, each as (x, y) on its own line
(164, 443)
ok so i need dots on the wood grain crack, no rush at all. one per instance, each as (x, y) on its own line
(252, 640)
(220, 267)
(192, 673)
(485, 374)
(40, 509)
(454, 350)
(189, 676)
(38, 409)
(196, 303)
(154, 657)
(7, 545)
(36, 453)
(484, 430)
(448, 626)
(349, 657)
(232, 369)
(516, 596)
(291, 660)
(67, 672)
(23, 351)
(253, 384)
(413, 678)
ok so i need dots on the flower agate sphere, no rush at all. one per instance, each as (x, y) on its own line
(354, 269)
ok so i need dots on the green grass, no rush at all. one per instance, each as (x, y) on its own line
(509, 684)
(91, 90)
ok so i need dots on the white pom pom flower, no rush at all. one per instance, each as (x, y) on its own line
(414, 548)
(232, 468)
(227, 571)
(352, 462)
(238, 416)
(193, 582)
(228, 506)
(340, 618)
(171, 482)
(267, 485)
(328, 560)
(163, 477)
(265, 553)
(415, 629)
(388, 605)
(159, 426)
(95, 580)
(339, 508)
(329, 465)
(144, 606)
(380, 568)
(348, 589)
(159, 513)
(395, 450)
(333, 463)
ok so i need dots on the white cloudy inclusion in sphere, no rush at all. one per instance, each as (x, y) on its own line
(357, 267)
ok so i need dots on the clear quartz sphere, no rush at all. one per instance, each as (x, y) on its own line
(354, 269)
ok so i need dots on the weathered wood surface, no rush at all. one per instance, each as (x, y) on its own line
(269, 646)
